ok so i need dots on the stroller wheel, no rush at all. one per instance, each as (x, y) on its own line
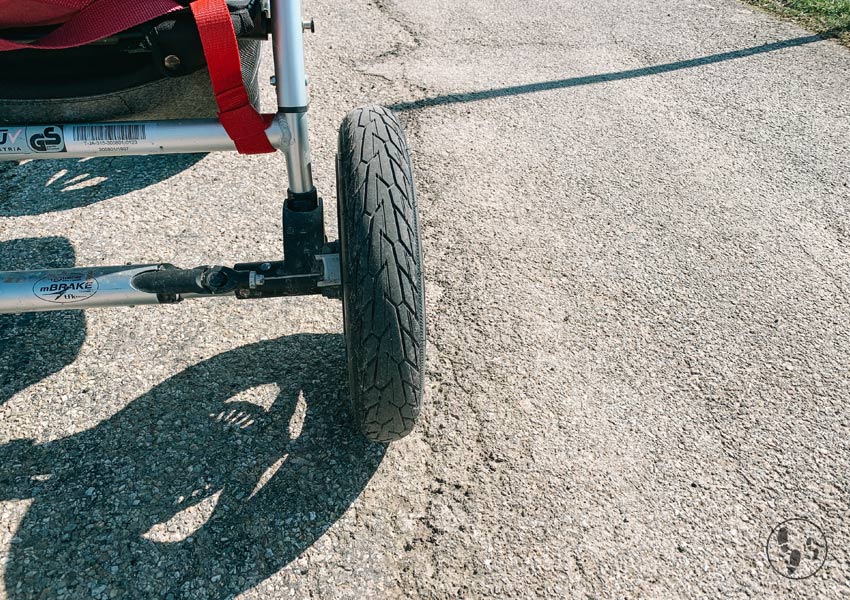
(383, 288)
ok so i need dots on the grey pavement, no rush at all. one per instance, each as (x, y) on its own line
(637, 235)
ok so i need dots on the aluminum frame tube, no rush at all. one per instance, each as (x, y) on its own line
(136, 138)
(292, 98)
(72, 289)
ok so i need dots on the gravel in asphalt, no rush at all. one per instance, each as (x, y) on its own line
(635, 220)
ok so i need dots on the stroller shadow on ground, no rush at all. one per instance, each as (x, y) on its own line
(41, 186)
(272, 478)
(561, 84)
(36, 345)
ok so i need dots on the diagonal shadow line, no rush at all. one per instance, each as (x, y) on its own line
(516, 90)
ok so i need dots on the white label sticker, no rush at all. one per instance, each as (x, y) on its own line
(41, 139)
(47, 139)
(66, 288)
(109, 137)
(13, 140)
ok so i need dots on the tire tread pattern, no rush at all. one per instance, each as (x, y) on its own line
(382, 274)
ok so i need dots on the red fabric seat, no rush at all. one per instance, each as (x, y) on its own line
(86, 21)
(35, 13)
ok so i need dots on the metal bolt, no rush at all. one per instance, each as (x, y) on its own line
(309, 26)
(172, 62)
(273, 80)
(265, 266)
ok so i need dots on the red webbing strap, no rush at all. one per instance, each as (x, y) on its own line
(99, 19)
(245, 126)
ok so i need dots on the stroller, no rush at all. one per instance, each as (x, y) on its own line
(63, 61)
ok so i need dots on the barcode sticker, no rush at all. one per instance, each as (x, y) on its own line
(111, 138)
(109, 133)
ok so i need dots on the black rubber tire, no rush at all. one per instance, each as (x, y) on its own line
(383, 287)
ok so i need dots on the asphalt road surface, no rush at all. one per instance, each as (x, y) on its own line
(637, 235)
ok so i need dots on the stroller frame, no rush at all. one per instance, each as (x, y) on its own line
(375, 268)
(311, 266)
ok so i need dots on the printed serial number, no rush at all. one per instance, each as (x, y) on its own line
(109, 133)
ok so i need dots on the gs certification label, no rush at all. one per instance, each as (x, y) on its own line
(49, 139)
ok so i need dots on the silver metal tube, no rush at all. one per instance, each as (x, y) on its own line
(292, 99)
(27, 142)
(288, 46)
(72, 289)
(299, 165)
